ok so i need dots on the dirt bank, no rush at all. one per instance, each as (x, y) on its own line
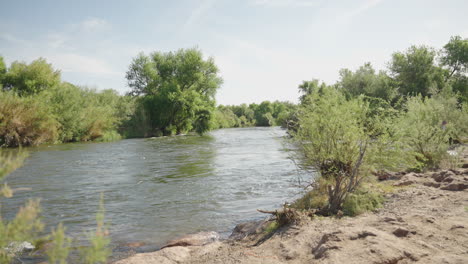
(425, 220)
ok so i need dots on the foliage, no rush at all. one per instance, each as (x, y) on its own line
(455, 56)
(28, 79)
(316, 198)
(361, 201)
(3, 71)
(343, 139)
(415, 72)
(180, 87)
(271, 227)
(455, 60)
(25, 121)
(365, 81)
(58, 252)
(308, 87)
(430, 124)
(98, 251)
(26, 225)
(265, 114)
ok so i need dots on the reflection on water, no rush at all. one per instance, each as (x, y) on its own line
(159, 188)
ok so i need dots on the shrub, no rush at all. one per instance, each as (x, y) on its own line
(430, 125)
(26, 225)
(25, 121)
(361, 201)
(344, 139)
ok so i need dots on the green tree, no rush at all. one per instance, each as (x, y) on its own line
(455, 56)
(180, 88)
(27, 79)
(3, 71)
(263, 114)
(365, 81)
(308, 87)
(455, 60)
(415, 72)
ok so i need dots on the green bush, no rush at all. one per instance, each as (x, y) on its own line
(345, 139)
(362, 201)
(430, 125)
(25, 121)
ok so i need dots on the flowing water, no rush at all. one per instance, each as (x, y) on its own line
(159, 188)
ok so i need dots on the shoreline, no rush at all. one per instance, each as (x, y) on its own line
(423, 220)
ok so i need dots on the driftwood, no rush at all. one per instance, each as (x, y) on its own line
(287, 215)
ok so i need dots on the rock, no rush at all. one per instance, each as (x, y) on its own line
(404, 182)
(361, 235)
(385, 175)
(18, 248)
(246, 229)
(465, 165)
(456, 186)
(401, 232)
(432, 184)
(198, 239)
(441, 176)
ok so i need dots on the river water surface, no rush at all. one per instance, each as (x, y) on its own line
(159, 188)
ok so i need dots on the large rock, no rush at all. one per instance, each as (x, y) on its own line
(198, 239)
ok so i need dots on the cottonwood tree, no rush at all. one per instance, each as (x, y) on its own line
(177, 89)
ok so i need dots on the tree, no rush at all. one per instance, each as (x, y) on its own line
(179, 88)
(455, 56)
(415, 72)
(2, 71)
(308, 87)
(263, 114)
(365, 81)
(455, 60)
(27, 79)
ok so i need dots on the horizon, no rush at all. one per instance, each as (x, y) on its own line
(263, 48)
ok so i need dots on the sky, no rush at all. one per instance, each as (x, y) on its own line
(263, 48)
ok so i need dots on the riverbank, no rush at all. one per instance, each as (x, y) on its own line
(424, 220)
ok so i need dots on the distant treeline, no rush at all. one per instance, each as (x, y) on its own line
(265, 114)
(172, 93)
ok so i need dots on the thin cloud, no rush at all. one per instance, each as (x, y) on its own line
(197, 13)
(368, 4)
(94, 24)
(12, 39)
(76, 63)
(286, 3)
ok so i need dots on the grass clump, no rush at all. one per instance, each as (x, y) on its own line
(362, 201)
(272, 227)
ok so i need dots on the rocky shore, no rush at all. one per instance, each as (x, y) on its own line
(424, 220)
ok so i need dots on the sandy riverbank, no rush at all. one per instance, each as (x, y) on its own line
(425, 220)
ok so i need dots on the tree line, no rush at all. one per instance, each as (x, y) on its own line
(171, 93)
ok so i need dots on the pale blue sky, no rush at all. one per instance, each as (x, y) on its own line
(264, 48)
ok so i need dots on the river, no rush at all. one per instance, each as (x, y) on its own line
(159, 188)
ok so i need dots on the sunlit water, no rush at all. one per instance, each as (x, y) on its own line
(159, 188)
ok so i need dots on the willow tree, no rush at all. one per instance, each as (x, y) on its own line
(176, 89)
